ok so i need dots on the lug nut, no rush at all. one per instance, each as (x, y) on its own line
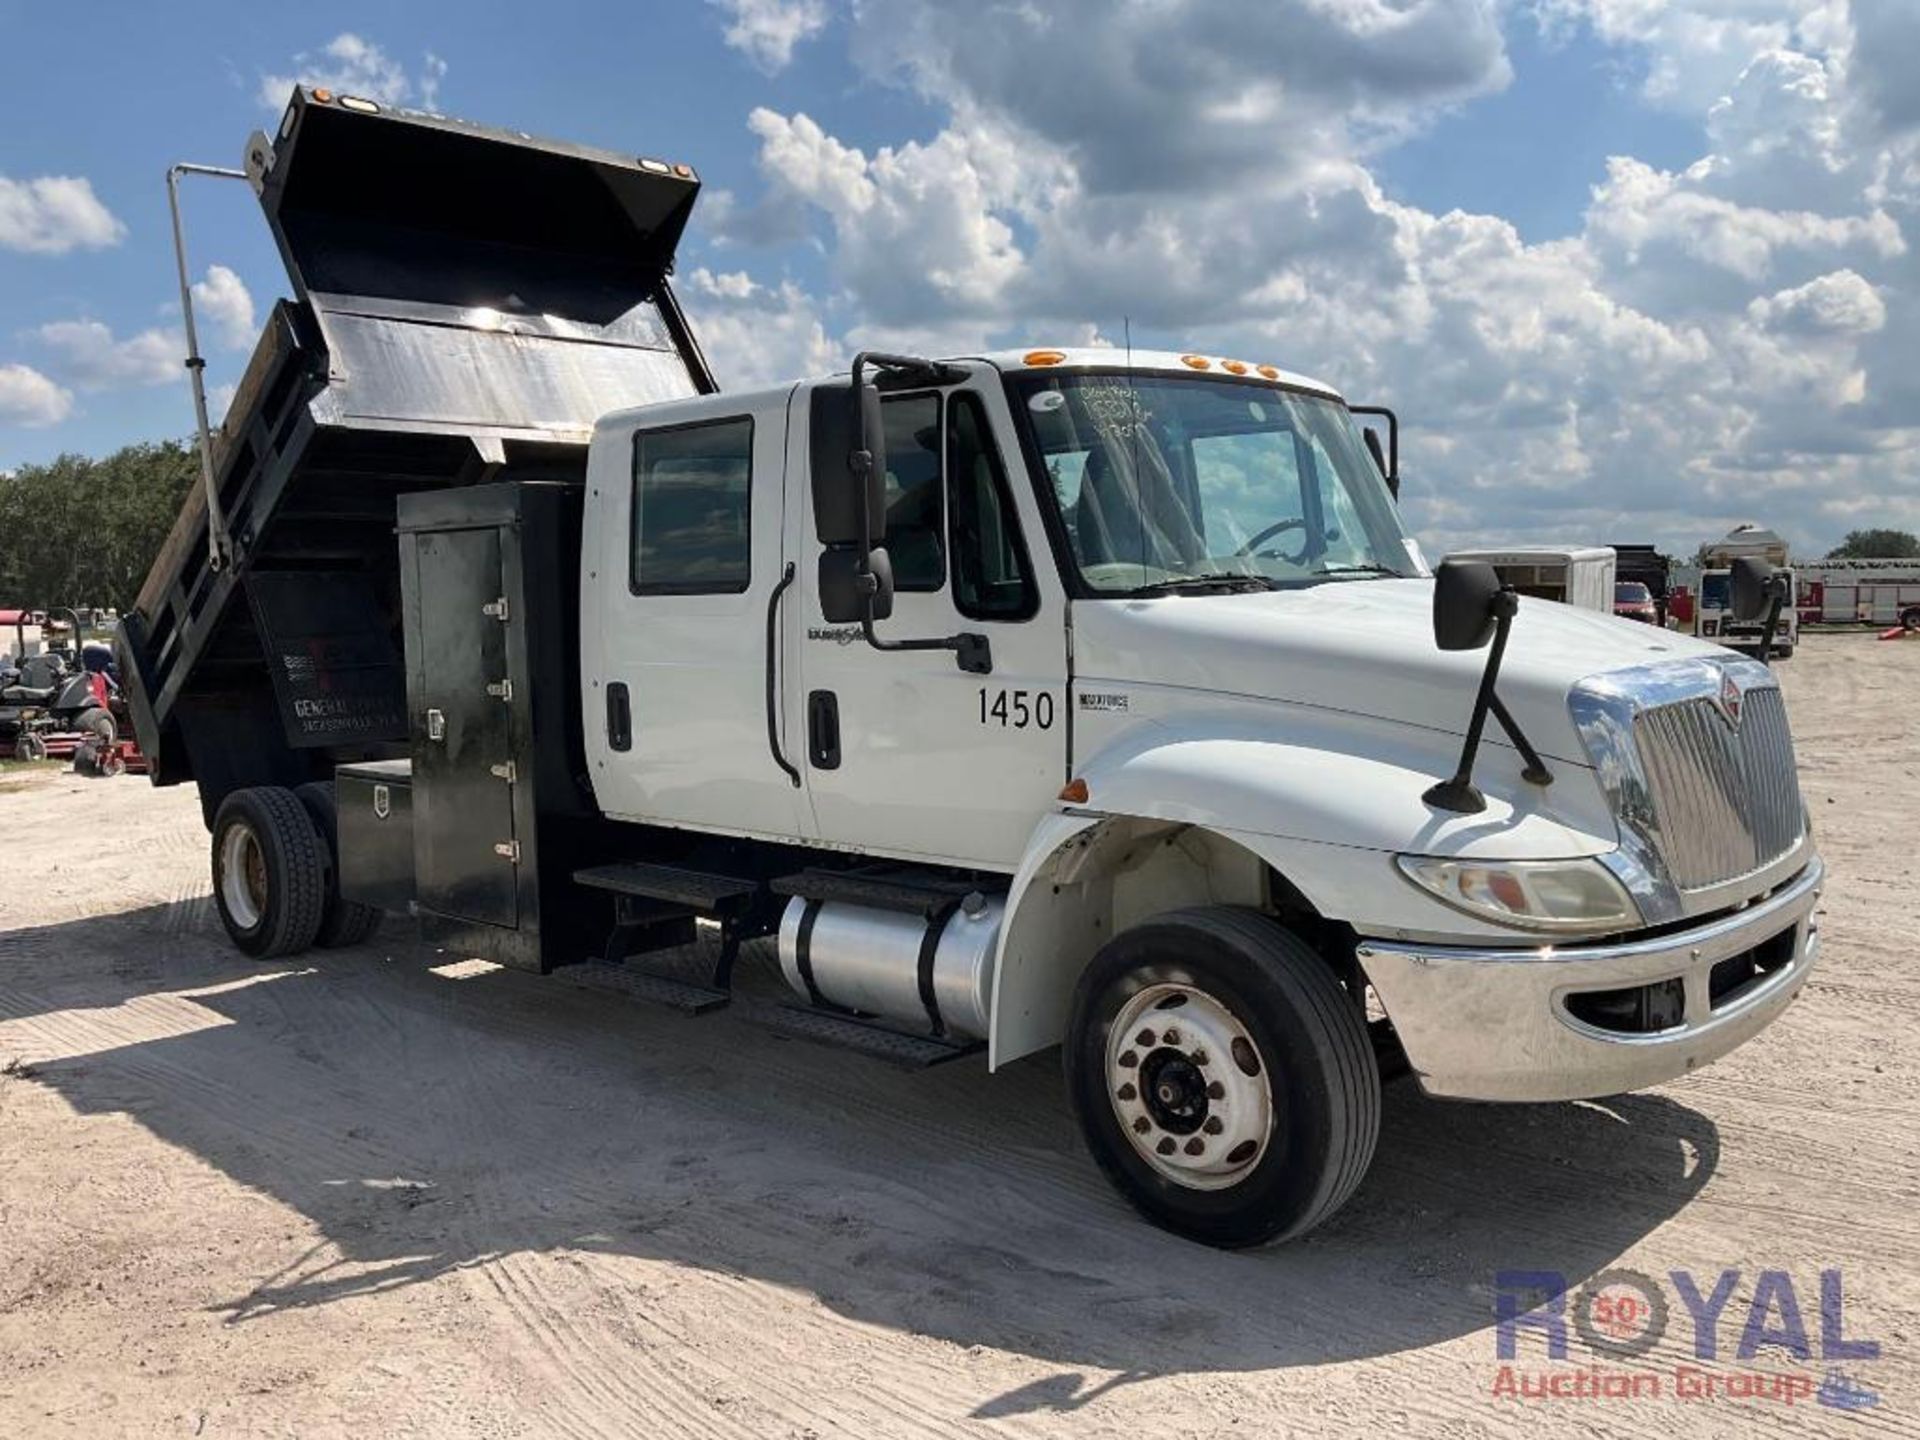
(1127, 1092)
(1195, 1146)
(1213, 1125)
(1165, 1147)
(1145, 1037)
(1216, 1091)
(1129, 1059)
(1199, 1057)
(1141, 1124)
(1172, 1037)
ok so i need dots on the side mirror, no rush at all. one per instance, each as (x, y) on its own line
(849, 465)
(1753, 588)
(1467, 600)
(1389, 462)
(844, 591)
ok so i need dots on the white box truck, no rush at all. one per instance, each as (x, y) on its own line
(1052, 697)
(1578, 575)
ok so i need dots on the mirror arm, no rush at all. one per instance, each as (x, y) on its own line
(1458, 792)
(1778, 586)
(1393, 442)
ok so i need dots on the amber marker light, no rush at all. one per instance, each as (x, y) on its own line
(1074, 792)
(1195, 362)
(1043, 357)
(1234, 367)
(1270, 372)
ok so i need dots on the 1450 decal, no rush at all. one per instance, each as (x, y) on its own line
(1017, 709)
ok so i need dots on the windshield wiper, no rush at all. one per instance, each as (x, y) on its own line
(1359, 570)
(1236, 580)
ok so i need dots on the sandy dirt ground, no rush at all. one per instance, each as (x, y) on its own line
(383, 1192)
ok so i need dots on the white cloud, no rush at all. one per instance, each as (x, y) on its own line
(1838, 304)
(30, 399)
(94, 358)
(355, 66)
(1732, 338)
(223, 307)
(53, 214)
(766, 31)
(757, 334)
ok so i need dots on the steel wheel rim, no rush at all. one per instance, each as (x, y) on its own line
(1189, 1086)
(243, 875)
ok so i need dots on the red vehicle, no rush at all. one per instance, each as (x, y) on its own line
(1634, 601)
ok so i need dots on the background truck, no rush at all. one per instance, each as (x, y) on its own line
(1861, 592)
(1581, 575)
(1714, 617)
(1042, 698)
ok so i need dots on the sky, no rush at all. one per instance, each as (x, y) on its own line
(1629, 270)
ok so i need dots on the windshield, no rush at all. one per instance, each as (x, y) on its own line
(1163, 481)
(1631, 592)
(1716, 590)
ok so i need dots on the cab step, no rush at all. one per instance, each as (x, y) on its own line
(876, 1041)
(904, 891)
(701, 891)
(682, 995)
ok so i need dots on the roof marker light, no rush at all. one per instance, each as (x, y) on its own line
(658, 167)
(685, 172)
(1043, 357)
(323, 95)
(1270, 372)
(1234, 367)
(354, 102)
(1195, 362)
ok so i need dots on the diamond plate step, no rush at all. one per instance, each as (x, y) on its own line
(894, 1047)
(679, 995)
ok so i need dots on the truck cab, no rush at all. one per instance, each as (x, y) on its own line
(1046, 698)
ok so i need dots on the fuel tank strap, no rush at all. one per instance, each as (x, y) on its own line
(929, 953)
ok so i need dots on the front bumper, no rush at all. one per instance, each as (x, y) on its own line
(1482, 1024)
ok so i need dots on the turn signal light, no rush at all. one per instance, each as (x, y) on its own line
(1074, 792)
(1195, 362)
(1043, 357)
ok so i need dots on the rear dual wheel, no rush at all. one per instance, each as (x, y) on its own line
(1222, 1077)
(269, 872)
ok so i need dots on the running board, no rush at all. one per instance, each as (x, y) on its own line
(877, 1042)
(681, 995)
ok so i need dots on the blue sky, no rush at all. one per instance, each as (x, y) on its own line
(1627, 271)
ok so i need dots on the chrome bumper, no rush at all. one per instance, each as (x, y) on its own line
(1494, 1024)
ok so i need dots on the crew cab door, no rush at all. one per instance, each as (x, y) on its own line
(906, 753)
(683, 551)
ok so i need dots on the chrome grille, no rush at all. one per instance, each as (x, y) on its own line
(1725, 798)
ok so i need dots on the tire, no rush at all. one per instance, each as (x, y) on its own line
(86, 758)
(1240, 976)
(1910, 619)
(100, 722)
(29, 746)
(346, 922)
(269, 872)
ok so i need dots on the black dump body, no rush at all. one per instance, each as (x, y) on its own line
(468, 302)
(1647, 565)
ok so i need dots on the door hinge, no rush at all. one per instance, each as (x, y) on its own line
(504, 771)
(508, 850)
(501, 689)
(497, 609)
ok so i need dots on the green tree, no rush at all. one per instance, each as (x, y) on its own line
(1877, 545)
(77, 531)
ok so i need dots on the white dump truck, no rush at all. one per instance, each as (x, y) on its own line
(1047, 698)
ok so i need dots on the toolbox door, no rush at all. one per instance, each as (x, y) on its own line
(465, 850)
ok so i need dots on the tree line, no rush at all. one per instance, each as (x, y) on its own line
(79, 531)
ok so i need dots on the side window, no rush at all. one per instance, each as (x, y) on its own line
(913, 492)
(691, 491)
(991, 577)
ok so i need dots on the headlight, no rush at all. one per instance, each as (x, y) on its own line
(1557, 895)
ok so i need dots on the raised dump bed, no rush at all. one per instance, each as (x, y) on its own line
(467, 302)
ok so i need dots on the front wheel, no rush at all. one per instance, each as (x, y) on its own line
(1222, 1077)
(1910, 618)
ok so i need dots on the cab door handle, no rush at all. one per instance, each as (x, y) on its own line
(619, 717)
(823, 730)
